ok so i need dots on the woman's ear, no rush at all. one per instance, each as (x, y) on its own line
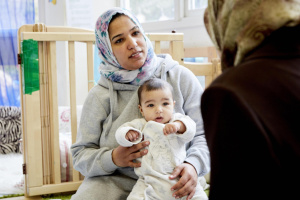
(141, 110)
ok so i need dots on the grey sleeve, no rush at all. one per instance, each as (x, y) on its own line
(89, 158)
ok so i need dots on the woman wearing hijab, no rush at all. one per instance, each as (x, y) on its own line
(128, 61)
(251, 111)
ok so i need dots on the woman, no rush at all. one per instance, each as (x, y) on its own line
(251, 111)
(128, 61)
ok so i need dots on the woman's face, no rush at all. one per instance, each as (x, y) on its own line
(127, 42)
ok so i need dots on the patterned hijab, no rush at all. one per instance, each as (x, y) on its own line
(238, 26)
(110, 67)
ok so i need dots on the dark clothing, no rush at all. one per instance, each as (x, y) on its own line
(251, 116)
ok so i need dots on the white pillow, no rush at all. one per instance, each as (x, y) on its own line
(64, 118)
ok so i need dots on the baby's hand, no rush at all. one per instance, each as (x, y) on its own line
(171, 128)
(132, 135)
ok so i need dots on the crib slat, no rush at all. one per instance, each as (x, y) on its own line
(217, 67)
(33, 149)
(45, 131)
(48, 135)
(199, 69)
(176, 51)
(165, 36)
(54, 188)
(44, 105)
(82, 37)
(31, 128)
(202, 69)
(157, 48)
(72, 77)
(54, 114)
(209, 52)
(90, 65)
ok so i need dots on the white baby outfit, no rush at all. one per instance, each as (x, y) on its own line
(164, 154)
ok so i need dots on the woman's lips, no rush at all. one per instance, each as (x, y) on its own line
(135, 55)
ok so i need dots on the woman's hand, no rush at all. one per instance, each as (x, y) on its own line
(187, 182)
(124, 156)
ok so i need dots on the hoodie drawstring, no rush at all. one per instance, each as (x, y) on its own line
(112, 95)
(163, 71)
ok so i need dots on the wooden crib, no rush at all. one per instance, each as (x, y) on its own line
(40, 109)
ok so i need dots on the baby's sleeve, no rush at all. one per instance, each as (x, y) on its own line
(122, 131)
(190, 126)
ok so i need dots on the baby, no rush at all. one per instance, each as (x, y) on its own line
(167, 132)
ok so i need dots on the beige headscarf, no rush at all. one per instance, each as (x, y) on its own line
(238, 26)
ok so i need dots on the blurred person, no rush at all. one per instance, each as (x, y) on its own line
(251, 111)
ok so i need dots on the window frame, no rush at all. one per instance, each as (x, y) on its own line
(192, 13)
(183, 18)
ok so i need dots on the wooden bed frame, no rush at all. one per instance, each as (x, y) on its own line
(40, 109)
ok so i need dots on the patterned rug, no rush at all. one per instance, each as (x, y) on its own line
(10, 129)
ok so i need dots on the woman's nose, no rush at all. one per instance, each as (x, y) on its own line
(132, 43)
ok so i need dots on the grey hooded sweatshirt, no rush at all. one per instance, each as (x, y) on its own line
(111, 104)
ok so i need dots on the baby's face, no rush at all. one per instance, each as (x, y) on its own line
(157, 105)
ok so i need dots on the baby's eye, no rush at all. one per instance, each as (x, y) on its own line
(166, 103)
(150, 105)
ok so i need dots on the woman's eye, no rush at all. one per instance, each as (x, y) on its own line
(135, 32)
(118, 41)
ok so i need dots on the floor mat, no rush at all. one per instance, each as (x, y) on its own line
(11, 173)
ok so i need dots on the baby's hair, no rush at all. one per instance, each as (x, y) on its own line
(154, 84)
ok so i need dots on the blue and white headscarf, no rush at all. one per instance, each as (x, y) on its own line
(110, 67)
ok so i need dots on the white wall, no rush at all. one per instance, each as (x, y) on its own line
(55, 15)
(102, 5)
(195, 34)
(52, 15)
